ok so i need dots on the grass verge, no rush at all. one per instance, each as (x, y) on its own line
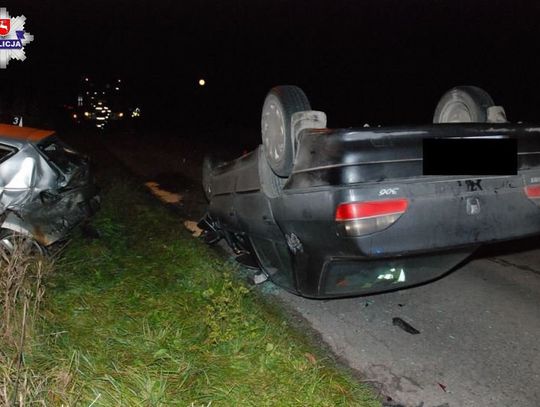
(21, 293)
(148, 316)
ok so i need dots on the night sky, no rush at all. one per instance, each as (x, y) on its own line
(380, 61)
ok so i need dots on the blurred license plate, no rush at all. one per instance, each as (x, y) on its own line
(470, 156)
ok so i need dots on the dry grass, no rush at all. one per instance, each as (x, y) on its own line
(21, 292)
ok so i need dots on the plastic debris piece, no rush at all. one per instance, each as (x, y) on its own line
(405, 326)
(163, 195)
(257, 278)
(193, 228)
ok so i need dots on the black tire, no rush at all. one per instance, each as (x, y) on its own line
(280, 104)
(271, 184)
(463, 104)
(208, 165)
(12, 242)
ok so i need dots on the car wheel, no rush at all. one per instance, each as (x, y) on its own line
(271, 184)
(279, 106)
(463, 104)
(16, 243)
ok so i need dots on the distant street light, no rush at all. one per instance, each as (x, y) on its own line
(202, 82)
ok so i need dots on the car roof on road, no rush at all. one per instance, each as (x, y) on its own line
(8, 131)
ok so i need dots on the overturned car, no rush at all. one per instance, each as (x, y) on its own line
(46, 187)
(340, 212)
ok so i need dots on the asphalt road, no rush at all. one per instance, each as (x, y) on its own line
(479, 337)
(479, 326)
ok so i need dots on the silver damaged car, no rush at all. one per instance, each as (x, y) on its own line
(46, 188)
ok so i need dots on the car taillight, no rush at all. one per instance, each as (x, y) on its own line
(533, 193)
(363, 218)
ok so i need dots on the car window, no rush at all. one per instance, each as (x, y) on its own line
(65, 158)
(5, 152)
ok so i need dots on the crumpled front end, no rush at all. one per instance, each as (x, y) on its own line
(42, 200)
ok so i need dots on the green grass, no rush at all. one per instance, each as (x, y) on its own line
(148, 316)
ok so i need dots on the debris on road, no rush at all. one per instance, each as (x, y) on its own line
(442, 386)
(405, 326)
(257, 278)
(193, 228)
(163, 195)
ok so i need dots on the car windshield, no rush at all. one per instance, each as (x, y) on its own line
(64, 157)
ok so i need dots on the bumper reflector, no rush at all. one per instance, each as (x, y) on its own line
(362, 218)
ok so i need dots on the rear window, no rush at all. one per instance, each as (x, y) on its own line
(64, 157)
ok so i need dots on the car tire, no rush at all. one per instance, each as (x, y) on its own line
(279, 106)
(9, 240)
(463, 104)
(209, 163)
(271, 184)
